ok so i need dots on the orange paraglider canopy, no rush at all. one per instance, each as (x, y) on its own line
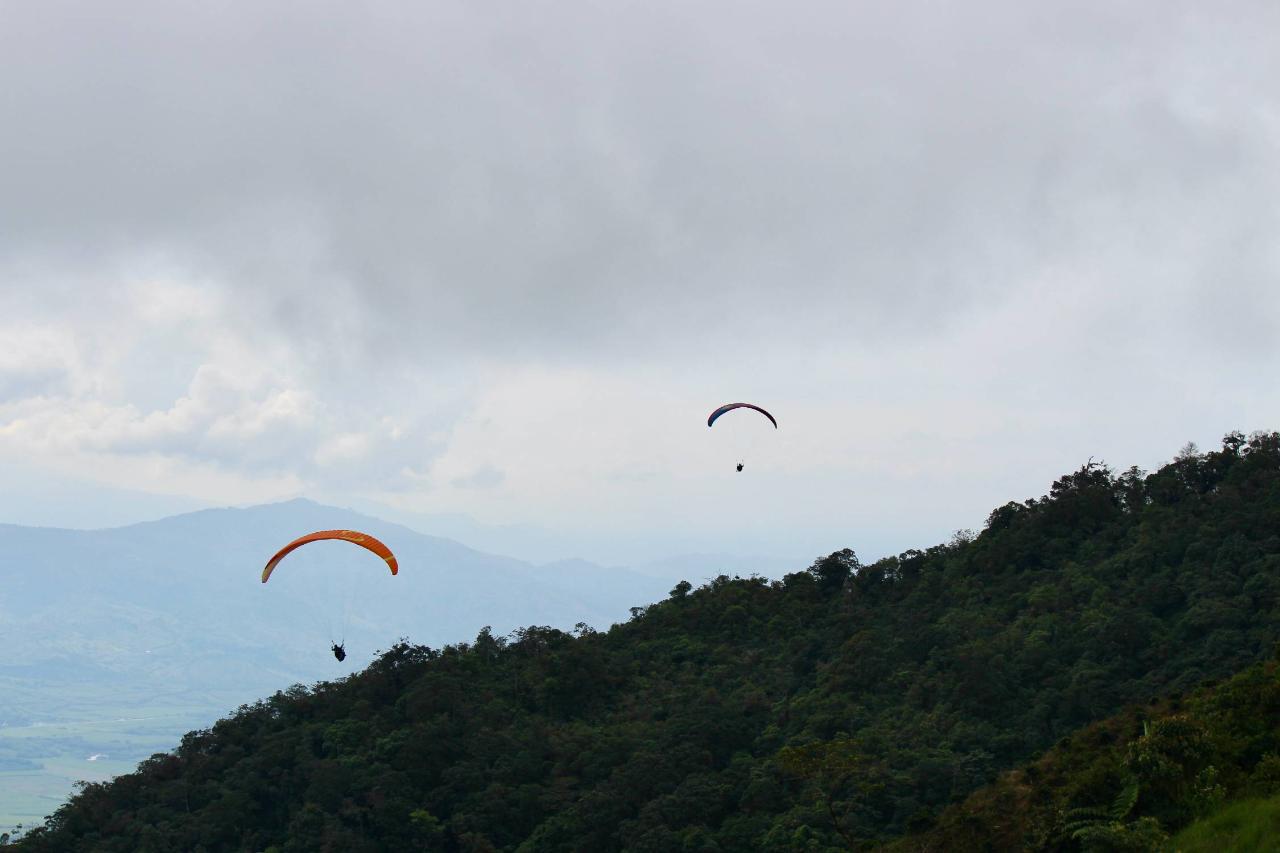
(364, 540)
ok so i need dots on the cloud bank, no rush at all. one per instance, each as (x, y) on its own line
(501, 261)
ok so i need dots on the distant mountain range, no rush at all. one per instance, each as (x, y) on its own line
(151, 601)
(167, 620)
(177, 605)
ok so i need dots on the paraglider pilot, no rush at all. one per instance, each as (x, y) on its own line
(339, 652)
(739, 466)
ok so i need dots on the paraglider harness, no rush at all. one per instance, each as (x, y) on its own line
(339, 652)
(739, 466)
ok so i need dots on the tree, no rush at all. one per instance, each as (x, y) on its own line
(834, 569)
(828, 766)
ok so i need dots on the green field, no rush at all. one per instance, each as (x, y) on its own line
(90, 738)
(1241, 827)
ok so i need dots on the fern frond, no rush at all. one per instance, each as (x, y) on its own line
(1125, 801)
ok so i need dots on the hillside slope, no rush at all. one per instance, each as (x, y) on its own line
(1127, 782)
(841, 704)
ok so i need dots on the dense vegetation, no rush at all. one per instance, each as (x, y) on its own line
(836, 706)
(1125, 783)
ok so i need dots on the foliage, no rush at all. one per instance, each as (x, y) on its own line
(1243, 826)
(1169, 762)
(1107, 829)
(829, 709)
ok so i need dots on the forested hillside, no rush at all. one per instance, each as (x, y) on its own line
(1129, 781)
(840, 705)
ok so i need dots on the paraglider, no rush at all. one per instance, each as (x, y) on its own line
(355, 537)
(729, 407)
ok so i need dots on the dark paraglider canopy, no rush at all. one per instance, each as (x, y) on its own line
(728, 407)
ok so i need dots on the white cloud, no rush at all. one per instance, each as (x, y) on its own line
(35, 361)
(351, 446)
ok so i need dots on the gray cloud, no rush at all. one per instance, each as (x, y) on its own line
(962, 232)
(548, 180)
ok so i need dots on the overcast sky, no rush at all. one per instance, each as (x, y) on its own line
(495, 262)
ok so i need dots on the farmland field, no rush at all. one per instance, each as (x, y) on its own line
(91, 739)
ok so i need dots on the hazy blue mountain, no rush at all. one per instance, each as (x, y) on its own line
(697, 568)
(150, 599)
(117, 641)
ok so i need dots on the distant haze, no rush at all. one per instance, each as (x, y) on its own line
(487, 268)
